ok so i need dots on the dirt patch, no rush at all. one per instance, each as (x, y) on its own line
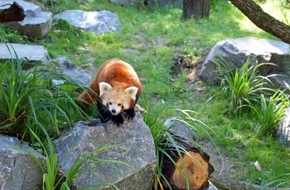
(184, 64)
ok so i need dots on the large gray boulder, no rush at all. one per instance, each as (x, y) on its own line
(132, 149)
(36, 23)
(32, 54)
(236, 51)
(18, 169)
(98, 22)
(283, 131)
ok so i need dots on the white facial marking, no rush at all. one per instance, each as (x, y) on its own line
(115, 107)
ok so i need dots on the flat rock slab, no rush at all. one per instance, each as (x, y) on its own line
(131, 149)
(236, 51)
(31, 53)
(18, 170)
(98, 22)
(36, 23)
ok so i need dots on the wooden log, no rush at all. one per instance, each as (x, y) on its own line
(191, 168)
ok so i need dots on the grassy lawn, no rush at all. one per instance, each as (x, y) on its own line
(149, 40)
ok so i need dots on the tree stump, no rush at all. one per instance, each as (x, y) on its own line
(191, 168)
(195, 9)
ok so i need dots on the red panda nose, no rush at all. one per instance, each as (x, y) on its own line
(113, 111)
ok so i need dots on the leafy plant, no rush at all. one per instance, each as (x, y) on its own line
(51, 180)
(269, 112)
(53, 104)
(244, 85)
(159, 135)
(16, 87)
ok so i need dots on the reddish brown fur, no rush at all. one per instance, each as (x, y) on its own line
(118, 74)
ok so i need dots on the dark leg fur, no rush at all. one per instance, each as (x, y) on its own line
(117, 119)
(103, 113)
(130, 113)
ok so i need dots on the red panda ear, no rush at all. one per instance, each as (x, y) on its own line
(103, 87)
(132, 91)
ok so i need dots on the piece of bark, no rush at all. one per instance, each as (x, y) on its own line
(193, 163)
(14, 13)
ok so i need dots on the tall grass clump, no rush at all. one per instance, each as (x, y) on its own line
(16, 88)
(269, 112)
(243, 85)
(159, 135)
(24, 92)
(52, 177)
(251, 93)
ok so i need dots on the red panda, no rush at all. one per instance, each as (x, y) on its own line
(116, 91)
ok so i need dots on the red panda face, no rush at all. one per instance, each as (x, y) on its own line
(117, 99)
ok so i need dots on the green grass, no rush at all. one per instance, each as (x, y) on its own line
(156, 35)
(27, 94)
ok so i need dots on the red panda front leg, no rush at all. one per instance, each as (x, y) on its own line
(103, 112)
(130, 113)
(117, 119)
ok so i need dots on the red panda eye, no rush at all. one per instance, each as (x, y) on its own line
(119, 104)
(110, 103)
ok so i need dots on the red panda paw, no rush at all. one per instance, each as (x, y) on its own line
(130, 113)
(118, 119)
